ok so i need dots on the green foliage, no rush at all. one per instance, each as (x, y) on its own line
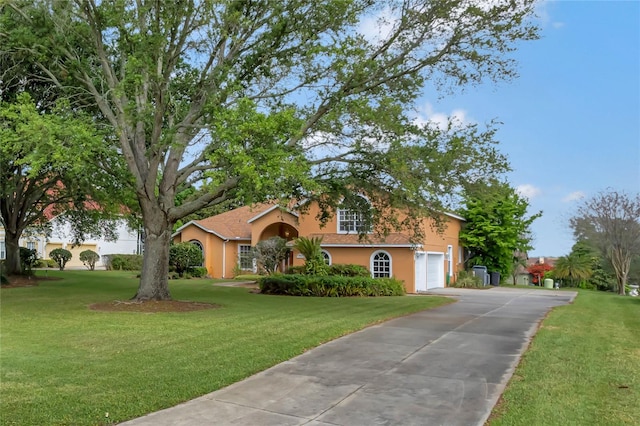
(270, 253)
(123, 262)
(53, 159)
(496, 226)
(467, 280)
(47, 263)
(28, 260)
(311, 249)
(198, 272)
(610, 222)
(300, 269)
(183, 256)
(575, 268)
(89, 259)
(60, 256)
(349, 270)
(298, 105)
(330, 286)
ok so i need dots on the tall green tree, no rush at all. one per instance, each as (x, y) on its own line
(497, 226)
(610, 221)
(256, 100)
(53, 163)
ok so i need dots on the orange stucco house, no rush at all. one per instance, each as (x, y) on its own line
(226, 240)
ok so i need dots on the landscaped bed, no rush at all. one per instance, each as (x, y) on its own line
(64, 362)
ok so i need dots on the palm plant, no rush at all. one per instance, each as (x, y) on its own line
(573, 267)
(311, 249)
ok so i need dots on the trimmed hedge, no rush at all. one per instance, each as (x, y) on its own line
(340, 269)
(122, 262)
(330, 286)
(349, 270)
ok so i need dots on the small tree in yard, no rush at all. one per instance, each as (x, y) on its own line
(610, 221)
(269, 253)
(61, 256)
(183, 256)
(89, 259)
(538, 270)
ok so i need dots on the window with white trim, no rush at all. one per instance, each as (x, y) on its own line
(245, 257)
(327, 257)
(31, 245)
(355, 219)
(3, 251)
(381, 265)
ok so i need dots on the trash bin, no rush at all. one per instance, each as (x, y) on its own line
(481, 272)
(548, 283)
(495, 278)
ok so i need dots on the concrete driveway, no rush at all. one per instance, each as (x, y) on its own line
(445, 366)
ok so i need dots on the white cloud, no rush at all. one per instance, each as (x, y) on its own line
(427, 115)
(544, 15)
(574, 196)
(528, 191)
(378, 27)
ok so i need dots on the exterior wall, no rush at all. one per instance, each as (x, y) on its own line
(61, 237)
(402, 266)
(435, 242)
(310, 225)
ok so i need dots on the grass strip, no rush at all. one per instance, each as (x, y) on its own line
(582, 368)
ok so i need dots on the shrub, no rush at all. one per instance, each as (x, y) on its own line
(183, 256)
(89, 259)
(47, 263)
(270, 253)
(330, 286)
(349, 270)
(198, 271)
(467, 280)
(295, 270)
(311, 249)
(123, 262)
(61, 256)
(28, 260)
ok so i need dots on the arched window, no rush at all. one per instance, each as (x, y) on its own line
(354, 216)
(381, 265)
(199, 245)
(327, 257)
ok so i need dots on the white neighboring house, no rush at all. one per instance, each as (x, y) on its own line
(127, 242)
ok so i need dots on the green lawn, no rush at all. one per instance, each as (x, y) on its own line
(582, 368)
(62, 363)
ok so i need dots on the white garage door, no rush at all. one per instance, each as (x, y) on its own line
(435, 270)
(421, 271)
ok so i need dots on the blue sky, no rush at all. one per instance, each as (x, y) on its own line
(571, 121)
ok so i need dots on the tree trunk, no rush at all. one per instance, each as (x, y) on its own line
(12, 263)
(154, 280)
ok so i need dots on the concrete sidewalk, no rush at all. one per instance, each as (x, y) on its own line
(445, 366)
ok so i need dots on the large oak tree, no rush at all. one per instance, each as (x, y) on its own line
(251, 100)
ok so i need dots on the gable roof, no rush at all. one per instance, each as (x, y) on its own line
(234, 224)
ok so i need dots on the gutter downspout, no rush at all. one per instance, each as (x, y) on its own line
(224, 258)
